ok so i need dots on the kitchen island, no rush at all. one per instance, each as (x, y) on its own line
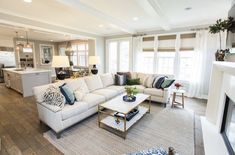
(23, 80)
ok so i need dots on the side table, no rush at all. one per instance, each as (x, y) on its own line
(175, 92)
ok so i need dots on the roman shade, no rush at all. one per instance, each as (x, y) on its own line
(148, 44)
(187, 41)
(166, 43)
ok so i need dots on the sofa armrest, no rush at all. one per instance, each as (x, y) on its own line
(50, 107)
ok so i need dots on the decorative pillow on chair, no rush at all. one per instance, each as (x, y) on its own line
(68, 94)
(158, 82)
(167, 83)
(53, 96)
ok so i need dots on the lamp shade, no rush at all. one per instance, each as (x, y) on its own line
(60, 61)
(94, 60)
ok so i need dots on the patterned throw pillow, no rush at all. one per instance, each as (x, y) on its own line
(120, 80)
(149, 81)
(158, 82)
(53, 96)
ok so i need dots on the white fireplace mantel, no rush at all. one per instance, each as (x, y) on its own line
(222, 83)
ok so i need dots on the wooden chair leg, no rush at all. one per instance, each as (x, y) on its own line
(183, 100)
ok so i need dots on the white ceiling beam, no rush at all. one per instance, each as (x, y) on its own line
(153, 9)
(77, 4)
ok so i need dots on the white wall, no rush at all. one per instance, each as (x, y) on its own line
(6, 41)
(96, 48)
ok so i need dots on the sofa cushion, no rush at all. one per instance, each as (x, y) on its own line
(140, 88)
(154, 92)
(40, 90)
(120, 89)
(107, 93)
(73, 110)
(158, 81)
(167, 83)
(77, 84)
(93, 99)
(93, 82)
(107, 79)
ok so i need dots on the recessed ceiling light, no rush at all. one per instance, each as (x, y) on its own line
(21, 36)
(51, 40)
(188, 8)
(28, 1)
(101, 25)
(135, 18)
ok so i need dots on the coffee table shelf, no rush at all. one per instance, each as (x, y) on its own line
(110, 121)
(107, 110)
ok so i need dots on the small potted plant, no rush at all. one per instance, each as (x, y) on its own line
(130, 94)
(178, 85)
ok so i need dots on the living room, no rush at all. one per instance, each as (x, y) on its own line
(87, 77)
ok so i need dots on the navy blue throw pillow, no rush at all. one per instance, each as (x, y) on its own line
(68, 94)
(158, 82)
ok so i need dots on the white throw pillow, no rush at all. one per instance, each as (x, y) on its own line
(143, 77)
(107, 79)
(77, 84)
(79, 95)
(149, 81)
(93, 82)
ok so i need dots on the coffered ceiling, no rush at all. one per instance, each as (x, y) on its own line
(107, 17)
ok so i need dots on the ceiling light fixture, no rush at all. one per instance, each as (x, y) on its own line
(135, 18)
(21, 36)
(28, 1)
(52, 40)
(188, 8)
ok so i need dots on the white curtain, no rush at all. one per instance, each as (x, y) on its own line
(137, 50)
(205, 48)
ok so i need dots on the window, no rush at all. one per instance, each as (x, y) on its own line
(112, 56)
(186, 65)
(148, 60)
(80, 54)
(118, 55)
(165, 62)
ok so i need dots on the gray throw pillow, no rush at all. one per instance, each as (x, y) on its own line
(120, 80)
(53, 96)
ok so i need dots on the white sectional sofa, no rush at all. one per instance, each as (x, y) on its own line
(97, 89)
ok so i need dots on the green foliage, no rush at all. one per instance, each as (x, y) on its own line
(131, 91)
(221, 25)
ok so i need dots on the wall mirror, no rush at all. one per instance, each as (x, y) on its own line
(46, 54)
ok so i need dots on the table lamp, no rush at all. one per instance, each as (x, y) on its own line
(60, 62)
(94, 60)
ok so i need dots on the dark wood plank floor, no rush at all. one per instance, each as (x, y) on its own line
(21, 132)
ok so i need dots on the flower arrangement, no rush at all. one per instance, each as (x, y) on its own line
(178, 85)
(131, 91)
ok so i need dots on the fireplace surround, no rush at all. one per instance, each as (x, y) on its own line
(228, 125)
(222, 85)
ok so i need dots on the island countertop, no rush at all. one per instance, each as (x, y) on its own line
(26, 71)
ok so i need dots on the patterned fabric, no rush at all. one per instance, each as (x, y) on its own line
(153, 151)
(120, 80)
(53, 96)
(158, 82)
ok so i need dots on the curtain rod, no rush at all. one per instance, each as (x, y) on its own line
(192, 29)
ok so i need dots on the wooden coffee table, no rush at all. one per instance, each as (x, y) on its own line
(109, 108)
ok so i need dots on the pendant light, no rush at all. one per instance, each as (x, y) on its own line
(27, 44)
(18, 44)
(68, 49)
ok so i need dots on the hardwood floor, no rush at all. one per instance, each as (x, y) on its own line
(21, 132)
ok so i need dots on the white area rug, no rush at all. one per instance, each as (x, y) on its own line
(164, 127)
